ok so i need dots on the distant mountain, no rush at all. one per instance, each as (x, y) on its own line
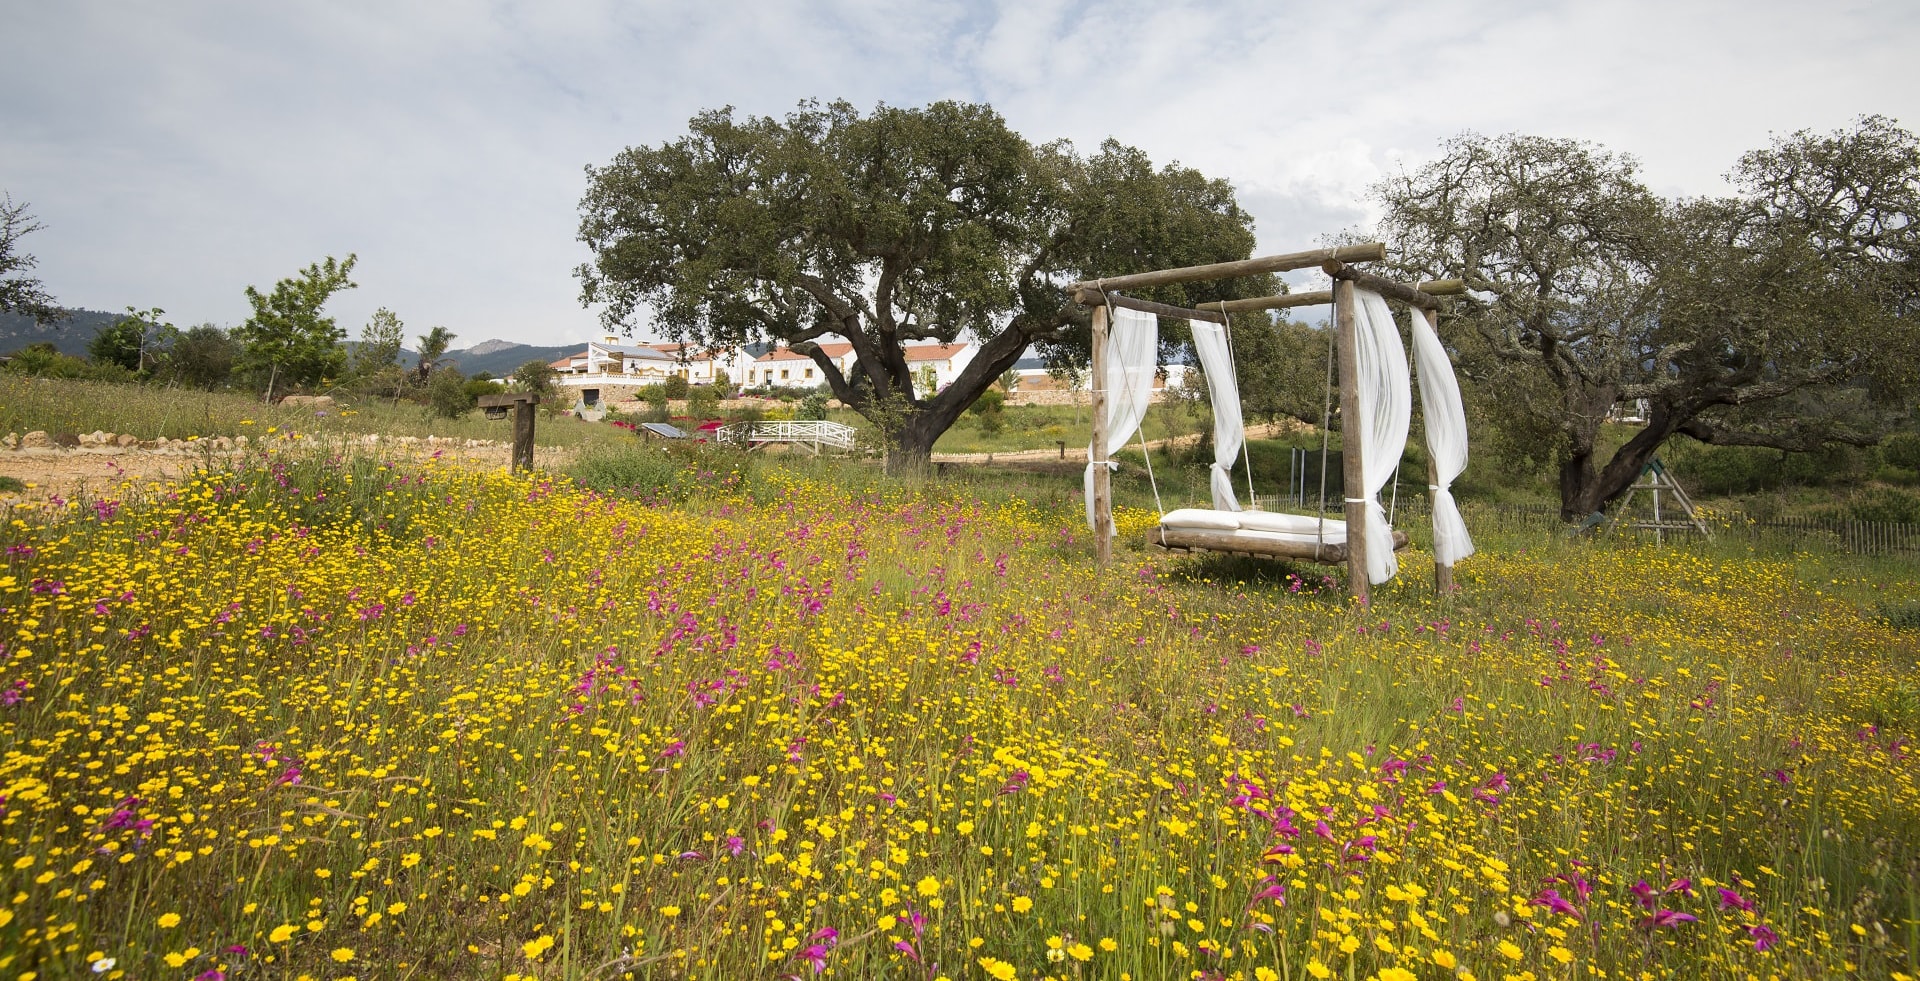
(499, 358)
(489, 347)
(69, 335)
(496, 357)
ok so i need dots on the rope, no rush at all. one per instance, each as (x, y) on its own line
(1233, 364)
(1395, 500)
(1157, 506)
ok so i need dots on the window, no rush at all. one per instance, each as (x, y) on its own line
(590, 396)
(785, 374)
(809, 372)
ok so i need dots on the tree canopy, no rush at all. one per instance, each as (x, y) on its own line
(19, 292)
(902, 225)
(287, 339)
(1781, 316)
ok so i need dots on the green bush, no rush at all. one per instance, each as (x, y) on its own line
(1885, 504)
(1902, 450)
(447, 395)
(814, 407)
(1722, 470)
(703, 402)
(675, 387)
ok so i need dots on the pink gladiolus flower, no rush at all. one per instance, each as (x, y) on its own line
(1733, 900)
(1763, 937)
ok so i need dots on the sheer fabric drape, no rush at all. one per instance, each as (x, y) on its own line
(1445, 420)
(1133, 344)
(1385, 397)
(1223, 393)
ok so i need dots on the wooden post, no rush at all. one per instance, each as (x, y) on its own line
(523, 405)
(1351, 440)
(523, 434)
(1097, 459)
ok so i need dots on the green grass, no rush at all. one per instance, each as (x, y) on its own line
(64, 407)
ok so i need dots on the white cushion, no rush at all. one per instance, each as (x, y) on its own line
(1290, 524)
(1201, 519)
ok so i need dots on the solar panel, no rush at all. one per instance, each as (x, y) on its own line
(663, 430)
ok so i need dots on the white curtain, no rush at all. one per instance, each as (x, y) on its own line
(1385, 397)
(1223, 393)
(1133, 344)
(1446, 425)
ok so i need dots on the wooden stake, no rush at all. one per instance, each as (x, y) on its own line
(1351, 439)
(523, 435)
(1102, 480)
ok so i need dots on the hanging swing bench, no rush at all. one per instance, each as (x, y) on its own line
(1375, 404)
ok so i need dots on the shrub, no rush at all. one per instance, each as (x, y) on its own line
(814, 406)
(703, 403)
(1885, 504)
(675, 387)
(1902, 450)
(989, 402)
(447, 395)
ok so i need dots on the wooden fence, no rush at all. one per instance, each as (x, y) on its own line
(1881, 538)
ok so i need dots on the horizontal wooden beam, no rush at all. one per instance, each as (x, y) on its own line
(1385, 287)
(1366, 252)
(1095, 298)
(1433, 287)
(1314, 298)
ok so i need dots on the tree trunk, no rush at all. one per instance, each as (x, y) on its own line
(911, 453)
(1590, 491)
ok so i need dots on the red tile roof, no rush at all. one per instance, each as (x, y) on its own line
(933, 352)
(788, 354)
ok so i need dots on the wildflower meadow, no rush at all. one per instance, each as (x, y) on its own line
(325, 717)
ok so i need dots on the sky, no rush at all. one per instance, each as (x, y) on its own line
(178, 152)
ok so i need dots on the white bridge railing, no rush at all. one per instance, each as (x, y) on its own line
(813, 434)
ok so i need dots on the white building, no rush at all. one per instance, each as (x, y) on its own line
(784, 367)
(939, 364)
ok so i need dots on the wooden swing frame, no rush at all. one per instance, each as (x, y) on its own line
(1100, 295)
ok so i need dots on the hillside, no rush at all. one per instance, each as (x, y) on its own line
(499, 358)
(70, 335)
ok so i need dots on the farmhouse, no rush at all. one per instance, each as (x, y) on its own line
(934, 366)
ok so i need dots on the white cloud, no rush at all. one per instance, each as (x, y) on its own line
(180, 152)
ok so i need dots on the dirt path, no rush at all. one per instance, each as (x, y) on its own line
(87, 471)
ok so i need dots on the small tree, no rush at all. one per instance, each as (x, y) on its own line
(124, 342)
(703, 403)
(287, 339)
(536, 376)
(375, 367)
(433, 348)
(676, 386)
(20, 293)
(447, 395)
(200, 357)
